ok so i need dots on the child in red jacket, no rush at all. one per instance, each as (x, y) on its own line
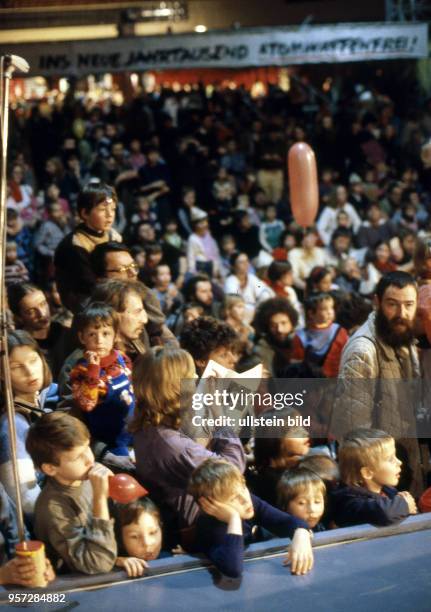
(321, 342)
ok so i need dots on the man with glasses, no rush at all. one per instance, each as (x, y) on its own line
(113, 260)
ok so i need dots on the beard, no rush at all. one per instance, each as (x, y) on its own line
(280, 342)
(390, 334)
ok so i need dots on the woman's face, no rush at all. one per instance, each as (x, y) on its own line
(325, 284)
(143, 539)
(26, 370)
(383, 253)
(237, 311)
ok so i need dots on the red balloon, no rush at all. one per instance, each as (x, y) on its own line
(303, 187)
(425, 501)
(125, 489)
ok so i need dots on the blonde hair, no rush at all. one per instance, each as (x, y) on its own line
(361, 448)
(157, 377)
(215, 478)
(229, 301)
(296, 482)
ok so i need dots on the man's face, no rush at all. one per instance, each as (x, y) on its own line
(280, 326)
(395, 315)
(34, 312)
(120, 265)
(204, 293)
(133, 319)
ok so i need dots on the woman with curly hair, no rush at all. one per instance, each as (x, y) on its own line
(165, 455)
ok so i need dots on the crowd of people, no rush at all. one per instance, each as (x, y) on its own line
(146, 241)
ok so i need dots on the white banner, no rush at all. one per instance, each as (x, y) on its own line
(239, 49)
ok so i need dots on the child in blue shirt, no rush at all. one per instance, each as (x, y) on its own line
(302, 494)
(229, 517)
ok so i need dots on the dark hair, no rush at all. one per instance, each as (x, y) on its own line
(316, 275)
(16, 292)
(189, 289)
(271, 307)
(98, 314)
(278, 269)
(341, 232)
(352, 310)
(126, 514)
(98, 256)
(312, 302)
(94, 194)
(323, 466)
(114, 292)
(52, 434)
(394, 279)
(204, 335)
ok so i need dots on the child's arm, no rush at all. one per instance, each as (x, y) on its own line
(84, 539)
(84, 380)
(351, 509)
(226, 545)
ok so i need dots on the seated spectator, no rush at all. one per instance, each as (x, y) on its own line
(274, 322)
(242, 282)
(155, 178)
(165, 456)
(306, 257)
(349, 275)
(280, 279)
(72, 515)
(319, 281)
(202, 251)
(187, 208)
(375, 229)
(326, 224)
(234, 314)
(15, 271)
(246, 235)
(227, 249)
(302, 493)
(341, 247)
(31, 312)
(370, 471)
(20, 196)
(321, 341)
(32, 393)
(164, 289)
(22, 235)
(47, 238)
(357, 196)
(229, 513)
(139, 528)
(75, 278)
(207, 338)
(270, 229)
(275, 454)
(101, 380)
(113, 260)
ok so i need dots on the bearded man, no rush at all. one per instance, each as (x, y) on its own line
(378, 373)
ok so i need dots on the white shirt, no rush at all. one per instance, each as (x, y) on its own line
(327, 222)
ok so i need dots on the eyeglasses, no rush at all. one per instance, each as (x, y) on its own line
(133, 268)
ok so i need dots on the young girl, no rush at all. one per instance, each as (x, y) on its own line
(302, 494)
(101, 380)
(139, 531)
(32, 391)
(233, 314)
(370, 470)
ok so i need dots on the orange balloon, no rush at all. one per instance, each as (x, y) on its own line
(303, 187)
(124, 489)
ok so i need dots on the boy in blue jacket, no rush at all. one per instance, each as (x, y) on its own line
(370, 471)
(230, 515)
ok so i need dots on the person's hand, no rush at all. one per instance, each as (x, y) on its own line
(121, 462)
(219, 510)
(134, 567)
(20, 570)
(92, 357)
(49, 573)
(300, 553)
(178, 550)
(99, 479)
(413, 509)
